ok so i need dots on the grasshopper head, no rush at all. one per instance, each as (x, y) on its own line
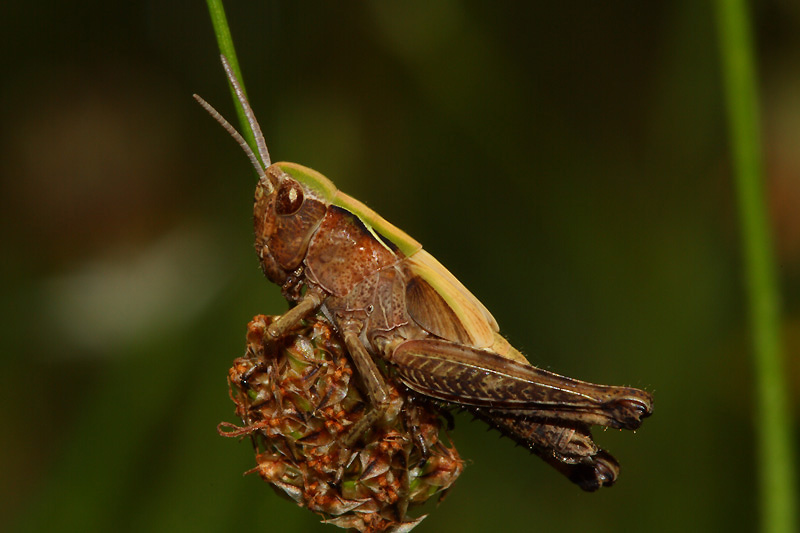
(290, 202)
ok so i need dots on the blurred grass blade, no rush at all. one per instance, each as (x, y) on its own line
(225, 43)
(774, 440)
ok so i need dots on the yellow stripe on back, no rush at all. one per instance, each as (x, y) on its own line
(373, 220)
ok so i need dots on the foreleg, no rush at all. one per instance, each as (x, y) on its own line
(309, 303)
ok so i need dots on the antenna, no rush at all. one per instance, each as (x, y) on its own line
(237, 137)
(248, 111)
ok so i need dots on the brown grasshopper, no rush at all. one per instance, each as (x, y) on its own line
(392, 300)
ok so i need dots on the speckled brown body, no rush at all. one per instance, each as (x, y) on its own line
(343, 253)
(326, 257)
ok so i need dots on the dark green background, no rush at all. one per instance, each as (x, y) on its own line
(567, 161)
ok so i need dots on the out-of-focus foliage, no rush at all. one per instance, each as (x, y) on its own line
(567, 162)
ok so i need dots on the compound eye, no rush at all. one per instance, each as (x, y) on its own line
(290, 198)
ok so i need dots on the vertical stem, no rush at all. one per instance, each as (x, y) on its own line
(773, 422)
(225, 43)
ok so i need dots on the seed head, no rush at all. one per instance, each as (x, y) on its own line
(298, 398)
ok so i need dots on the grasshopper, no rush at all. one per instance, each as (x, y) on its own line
(393, 301)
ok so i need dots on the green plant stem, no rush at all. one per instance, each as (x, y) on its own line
(773, 422)
(225, 43)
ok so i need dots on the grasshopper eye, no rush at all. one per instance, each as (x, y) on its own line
(290, 198)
